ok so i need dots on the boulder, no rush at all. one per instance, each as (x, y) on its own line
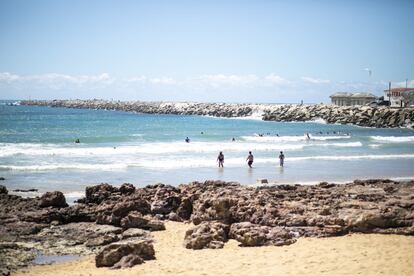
(125, 254)
(53, 199)
(208, 234)
(134, 220)
(3, 190)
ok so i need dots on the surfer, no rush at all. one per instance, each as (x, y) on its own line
(187, 140)
(77, 141)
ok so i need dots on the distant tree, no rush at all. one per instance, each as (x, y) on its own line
(407, 98)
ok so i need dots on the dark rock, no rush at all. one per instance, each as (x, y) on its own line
(25, 191)
(3, 190)
(127, 189)
(134, 220)
(53, 199)
(209, 234)
(130, 253)
(98, 193)
(155, 225)
(2, 178)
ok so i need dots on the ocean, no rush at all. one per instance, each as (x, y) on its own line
(37, 149)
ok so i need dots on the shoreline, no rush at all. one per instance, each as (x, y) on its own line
(365, 116)
(213, 215)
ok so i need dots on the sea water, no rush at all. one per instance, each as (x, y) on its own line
(37, 149)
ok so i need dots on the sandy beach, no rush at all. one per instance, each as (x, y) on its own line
(356, 254)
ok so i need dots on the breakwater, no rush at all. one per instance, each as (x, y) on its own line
(381, 117)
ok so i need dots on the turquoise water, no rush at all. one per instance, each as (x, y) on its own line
(37, 149)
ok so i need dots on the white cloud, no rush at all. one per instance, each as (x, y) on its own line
(57, 81)
(220, 80)
(315, 81)
(209, 87)
(7, 77)
(162, 81)
(275, 79)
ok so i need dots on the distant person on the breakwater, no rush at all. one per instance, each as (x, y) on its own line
(249, 159)
(77, 141)
(187, 140)
(220, 159)
(281, 159)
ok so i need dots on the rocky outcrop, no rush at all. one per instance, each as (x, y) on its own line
(125, 254)
(380, 117)
(208, 234)
(358, 115)
(254, 216)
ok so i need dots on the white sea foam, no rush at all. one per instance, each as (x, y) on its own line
(199, 162)
(143, 148)
(393, 139)
(317, 121)
(297, 138)
(342, 145)
(63, 166)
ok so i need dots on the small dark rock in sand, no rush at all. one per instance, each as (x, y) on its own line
(208, 234)
(125, 254)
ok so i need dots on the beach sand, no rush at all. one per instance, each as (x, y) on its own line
(357, 254)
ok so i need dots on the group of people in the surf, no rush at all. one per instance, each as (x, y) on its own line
(249, 159)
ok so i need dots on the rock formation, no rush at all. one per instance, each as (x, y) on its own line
(366, 116)
(254, 216)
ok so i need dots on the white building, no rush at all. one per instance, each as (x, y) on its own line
(396, 98)
(350, 99)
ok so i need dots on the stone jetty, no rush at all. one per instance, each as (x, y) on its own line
(115, 223)
(366, 116)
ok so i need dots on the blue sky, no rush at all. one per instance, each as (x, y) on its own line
(233, 51)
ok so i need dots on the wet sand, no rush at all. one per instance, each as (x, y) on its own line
(357, 254)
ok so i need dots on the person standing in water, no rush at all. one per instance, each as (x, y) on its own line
(249, 159)
(281, 159)
(187, 140)
(220, 159)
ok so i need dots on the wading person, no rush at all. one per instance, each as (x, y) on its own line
(249, 159)
(281, 159)
(220, 159)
